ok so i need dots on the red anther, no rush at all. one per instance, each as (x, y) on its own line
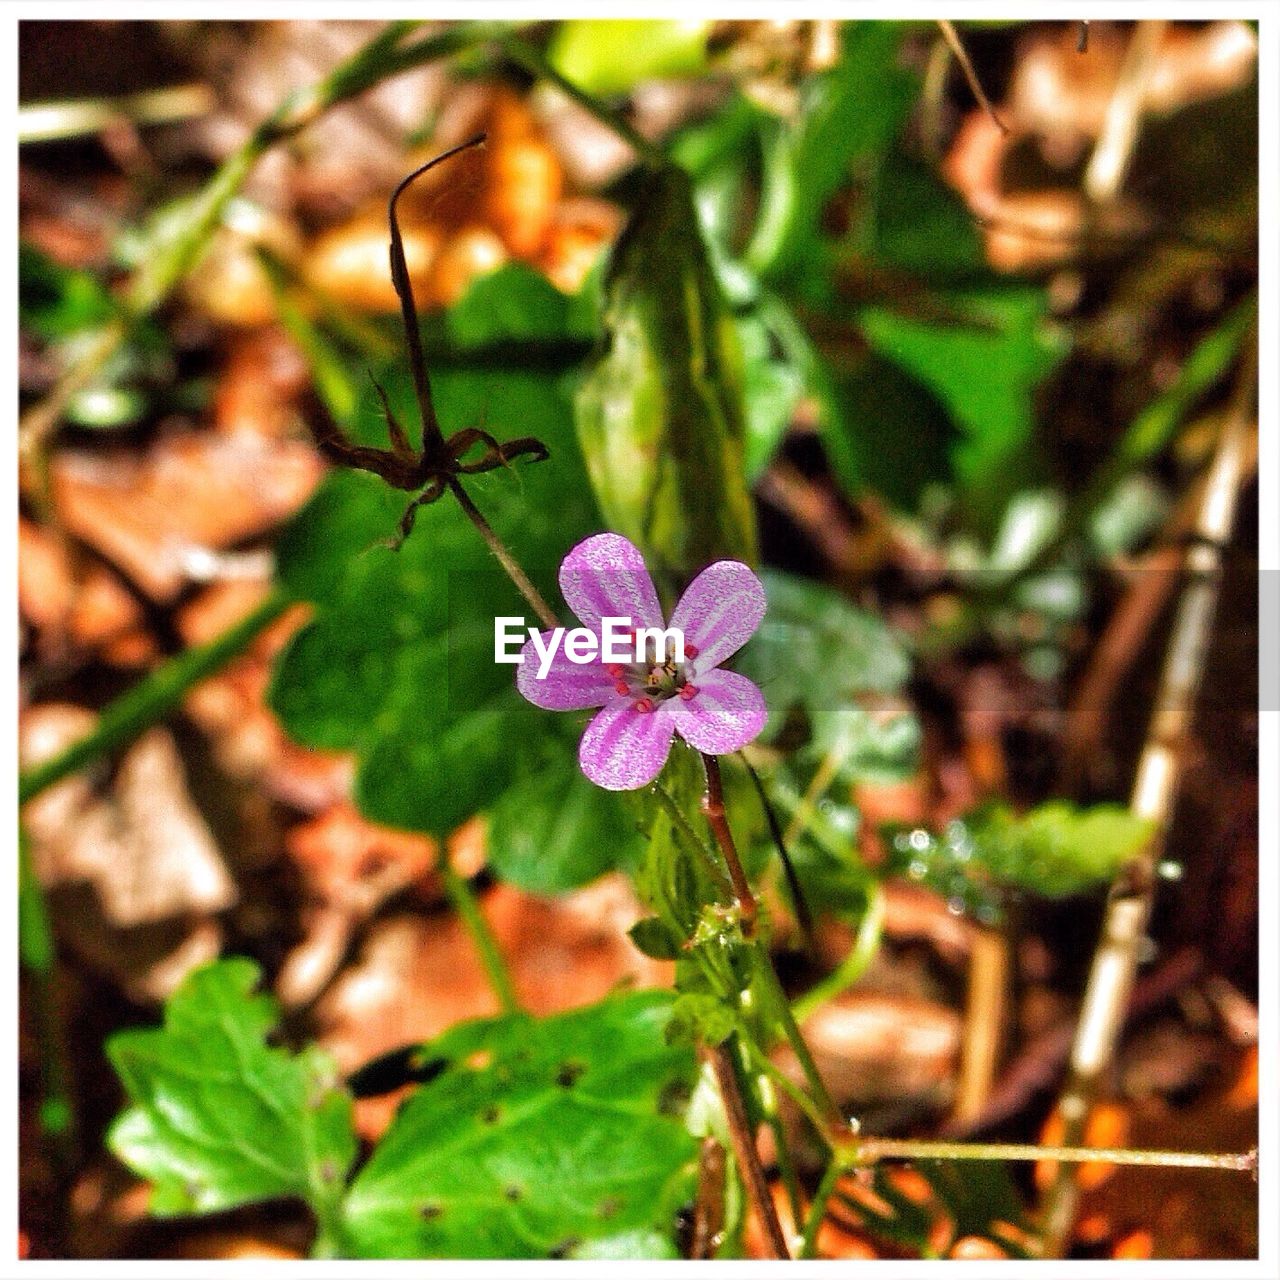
(687, 691)
(614, 670)
(644, 704)
(691, 651)
(622, 687)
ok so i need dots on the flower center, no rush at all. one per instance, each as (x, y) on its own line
(649, 683)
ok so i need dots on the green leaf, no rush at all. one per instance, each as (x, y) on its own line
(56, 302)
(919, 224)
(883, 431)
(517, 304)
(660, 414)
(1058, 849)
(215, 1117)
(654, 939)
(397, 664)
(700, 1018)
(816, 651)
(552, 830)
(772, 387)
(542, 1138)
(608, 56)
(1054, 851)
(985, 375)
(848, 114)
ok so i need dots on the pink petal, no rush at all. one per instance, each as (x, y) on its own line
(624, 749)
(720, 611)
(726, 713)
(568, 686)
(604, 576)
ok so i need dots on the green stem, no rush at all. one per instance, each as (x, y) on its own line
(536, 64)
(868, 1150)
(685, 828)
(818, 1210)
(149, 701)
(835, 1123)
(464, 902)
(853, 966)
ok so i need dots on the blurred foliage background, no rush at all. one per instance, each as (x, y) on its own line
(952, 374)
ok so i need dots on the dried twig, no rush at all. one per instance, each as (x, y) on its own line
(1132, 895)
(952, 37)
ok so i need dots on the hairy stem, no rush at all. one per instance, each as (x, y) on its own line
(151, 699)
(546, 615)
(744, 1146)
(713, 807)
(1130, 902)
(463, 900)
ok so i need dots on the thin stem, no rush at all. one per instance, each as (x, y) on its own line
(786, 1162)
(676, 814)
(463, 899)
(853, 966)
(1110, 160)
(708, 1207)
(836, 1125)
(534, 62)
(799, 903)
(432, 438)
(952, 37)
(818, 1209)
(1132, 896)
(984, 1016)
(151, 699)
(713, 807)
(504, 557)
(872, 1149)
(744, 1146)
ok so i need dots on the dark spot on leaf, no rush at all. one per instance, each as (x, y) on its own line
(514, 1193)
(609, 1206)
(490, 1115)
(674, 1097)
(569, 1073)
(564, 1248)
(430, 1211)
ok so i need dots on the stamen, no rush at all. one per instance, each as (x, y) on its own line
(644, 704)
(691, 651)
(622, 687)
(614, 670)
(687, 691)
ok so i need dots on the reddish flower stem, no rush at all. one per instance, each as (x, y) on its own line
(744, 1147)
(713, 807)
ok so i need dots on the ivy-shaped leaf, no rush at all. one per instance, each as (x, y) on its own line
(398, 663)
(543, 1137)
(217, 1118)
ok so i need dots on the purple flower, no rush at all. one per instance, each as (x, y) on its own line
(643, 704)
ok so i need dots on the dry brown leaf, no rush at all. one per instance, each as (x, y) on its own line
(160, 516)
(89, 609)
(877, 1047)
